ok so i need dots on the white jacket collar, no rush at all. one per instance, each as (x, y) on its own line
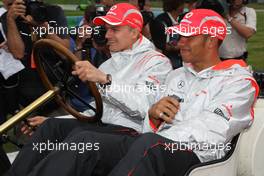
(223, 68)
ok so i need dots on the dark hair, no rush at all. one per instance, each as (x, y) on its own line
(190, 1)
(170, 5)
(220, 42)
(244, 1)
(216, 5)
(90, 13)
(148, 16)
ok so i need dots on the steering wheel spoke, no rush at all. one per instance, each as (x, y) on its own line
(56, 72)
(75, 95)
(45, 65)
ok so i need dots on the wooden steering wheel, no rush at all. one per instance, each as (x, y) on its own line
(55, 73)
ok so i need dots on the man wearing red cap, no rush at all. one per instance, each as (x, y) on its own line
(206, 104)
(129, 82)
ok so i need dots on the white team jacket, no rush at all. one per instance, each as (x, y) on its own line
(217, 105)
(135, 73)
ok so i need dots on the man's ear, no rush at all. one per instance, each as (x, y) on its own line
(135, 34)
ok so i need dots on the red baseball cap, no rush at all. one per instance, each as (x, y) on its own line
(120, 15)
(200, 21)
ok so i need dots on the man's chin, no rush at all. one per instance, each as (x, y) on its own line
(112, 49)
(186, 59)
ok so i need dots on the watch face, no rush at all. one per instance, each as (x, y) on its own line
(109, 79)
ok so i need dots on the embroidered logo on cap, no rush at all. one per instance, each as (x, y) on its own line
(189, 15)
(113, 7)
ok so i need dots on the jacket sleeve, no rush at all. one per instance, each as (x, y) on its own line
(134, 99)
(251, 18)
(228, 113)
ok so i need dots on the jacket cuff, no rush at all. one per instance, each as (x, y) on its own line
(153, 126)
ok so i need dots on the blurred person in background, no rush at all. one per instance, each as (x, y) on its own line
(146, 4)
(90, 44)
(94, 39)
(9, 68)
(18, 25)
(241, 23)
(189, 5)
(163, 42)
(106, 3)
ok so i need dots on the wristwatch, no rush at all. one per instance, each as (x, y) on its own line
(108, 81)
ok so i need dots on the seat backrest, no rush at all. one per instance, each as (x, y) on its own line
(246, 157)
(251, 145)
(259, 77)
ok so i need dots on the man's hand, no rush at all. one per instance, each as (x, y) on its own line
(17, 9)
(87, 72)
(84, 32)
(164, 110)
(4, 46)
(33, 122)
(29, 20)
